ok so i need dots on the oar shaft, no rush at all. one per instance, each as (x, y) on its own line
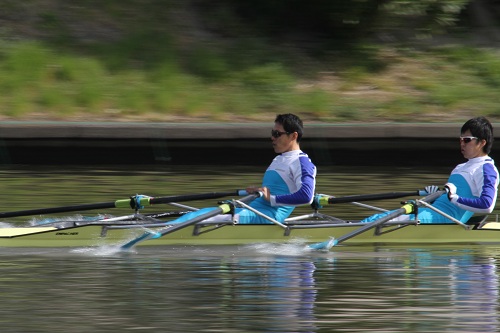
(371, 225)
(369, 197)
(65, 209)
(123, 203)
(405, 209)
(194, 197)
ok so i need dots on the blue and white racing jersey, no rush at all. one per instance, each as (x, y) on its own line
(477, 189)
(291, 179)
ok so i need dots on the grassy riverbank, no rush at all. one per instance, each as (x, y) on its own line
(165, 74)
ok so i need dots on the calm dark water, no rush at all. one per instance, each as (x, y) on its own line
(250, 289)
(254, 288)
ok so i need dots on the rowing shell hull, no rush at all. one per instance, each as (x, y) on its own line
(95, 236)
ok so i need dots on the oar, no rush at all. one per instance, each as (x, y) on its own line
(407, 208)
(325, 199)
(134, 202)
(108, 220)
(222, 209)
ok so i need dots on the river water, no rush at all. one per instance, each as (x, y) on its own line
(251, 288)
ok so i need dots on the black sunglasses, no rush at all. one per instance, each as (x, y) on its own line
(276, 134)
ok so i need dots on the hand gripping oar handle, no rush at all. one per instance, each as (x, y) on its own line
(222, 209)
(407, 208)
(123, 203)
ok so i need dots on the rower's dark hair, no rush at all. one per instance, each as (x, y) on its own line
(291, 123)
(481, 128)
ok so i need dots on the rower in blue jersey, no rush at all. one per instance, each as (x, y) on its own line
(472, 186)
(288, 182)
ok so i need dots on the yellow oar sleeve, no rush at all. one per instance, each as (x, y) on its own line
(409, 208)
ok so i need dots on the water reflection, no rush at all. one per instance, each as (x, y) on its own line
(247, 289)
(281, 289)
(416, 290)
(472, 282)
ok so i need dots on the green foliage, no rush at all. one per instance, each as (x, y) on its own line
(37, 80)
(485, 64)
(317, 103)
(26, 60)
(247, 59)
(267, 78)
(208, 64)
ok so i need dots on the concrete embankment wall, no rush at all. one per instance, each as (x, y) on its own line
(51, 143)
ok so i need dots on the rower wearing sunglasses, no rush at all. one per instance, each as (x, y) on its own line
(289, 181)
(472, 186)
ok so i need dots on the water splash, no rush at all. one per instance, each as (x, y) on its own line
(37, 221)
(295, 247)
(100, 251)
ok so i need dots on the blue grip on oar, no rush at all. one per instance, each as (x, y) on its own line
(319, 201)
(140, 200)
